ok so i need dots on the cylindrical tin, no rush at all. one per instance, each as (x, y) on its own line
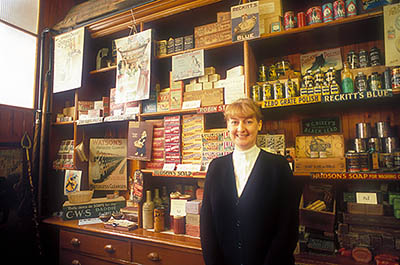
(159, 219)
(267, 91)
(363, 58)
(290, 89)
(289, 20)
(179, 225)
(375, 56)
(363, 159)
(390, 144)
(386, 160)
(360, 82)
(339, 9)
(363, 130)
(352, 161)
(278, 90)
(382, 129)
(396, 159)
(375, 81)
(352, 60)
(327, 12)
(396, 78)
(262, 73)
(314, 15)
(351, 8)
(360, 145)
(256, 92)
(376, 144)
(387, 79)
(301, 19)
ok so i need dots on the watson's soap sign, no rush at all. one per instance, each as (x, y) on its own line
(392, 34)
(245, 21)
(107, 164)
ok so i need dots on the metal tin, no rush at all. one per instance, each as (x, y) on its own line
(159, 219)
(262, 73)
(352, 161)
(363, 130)
(363, 159)
(376, 144)
(387, 79)
(390, 144)
(361, 82)
(382, 129)
(396, 159)
(330, 75)
(375, 81)
(351, 8)
(396, 78)
(308, 80)
(352, 60)
(319, 76)
(334, 88)
(375, 56)
(386, 160)
(278, 90)
(256, 92)
(327, 12)
(290, 88)
(339, 9)
(289, 20)
(301, 19)
(303, 91)
(318, 88)
(363, 58)
(325, 89)
(314, 15)
(360, 145)
(267, 91)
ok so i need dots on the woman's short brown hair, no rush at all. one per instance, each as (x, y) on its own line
(244, 107)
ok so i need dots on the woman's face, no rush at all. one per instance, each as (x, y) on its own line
(243, 131)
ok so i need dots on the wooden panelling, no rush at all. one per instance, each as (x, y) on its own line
(14, 122)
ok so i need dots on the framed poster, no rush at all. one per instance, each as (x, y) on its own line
(68, 60)
(72, 181)
(140, 139)
(133, 67)
(188, 65)
(245, 21)
(321, 60)
(107, 164)
(391, 17)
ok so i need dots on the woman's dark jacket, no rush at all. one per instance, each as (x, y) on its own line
(260, 227)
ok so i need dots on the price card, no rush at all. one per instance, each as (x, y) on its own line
(178, 207)
(366, 197)
(191, 104)
(169, 166)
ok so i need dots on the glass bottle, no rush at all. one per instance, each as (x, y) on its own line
(290, 160)
(373, 157)
(157, 200)
(148, 208)
(166, 203)
(347, 80)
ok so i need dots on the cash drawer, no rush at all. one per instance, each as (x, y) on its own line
(95, 245)
(152, 254)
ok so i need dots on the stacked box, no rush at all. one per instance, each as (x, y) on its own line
(150, 105)
(172, 139)
(233, 86)
(216, 32)
(216, 143)
(269, 12)
(163, 99)
(193, 218)
(118, 109)
(176, 93)
(65, 155)
(192, 128)
(157, 155)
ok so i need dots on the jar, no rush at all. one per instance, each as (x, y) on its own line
(179, 225)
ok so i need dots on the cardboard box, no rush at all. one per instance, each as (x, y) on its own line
(209, 97)
(310, 165)
(362, 208)
(312, 146)
(193, 207)
(223, 16)
(163, 100)
(213, 38)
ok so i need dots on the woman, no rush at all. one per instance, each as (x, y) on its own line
(249, 212)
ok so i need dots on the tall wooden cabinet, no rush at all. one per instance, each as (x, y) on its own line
(178, 18)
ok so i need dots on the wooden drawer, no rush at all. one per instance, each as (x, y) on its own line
(95, 245)
(72, 258)
(152, 254)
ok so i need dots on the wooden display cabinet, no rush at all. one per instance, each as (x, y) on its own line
(176, 19)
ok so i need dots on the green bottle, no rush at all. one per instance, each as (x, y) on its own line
(347, 80)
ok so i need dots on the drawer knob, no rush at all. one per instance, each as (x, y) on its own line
(153, 256)
(75, 242)
(75, 262)
(109, 249)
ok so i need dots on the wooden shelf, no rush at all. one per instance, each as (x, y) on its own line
(62, 123)
(102, 70)
(171, 112)
(357, 175)
(175, 174)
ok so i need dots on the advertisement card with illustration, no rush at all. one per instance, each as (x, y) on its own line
(107, 164)
(140, 139)
(188, 65)
(245, 21)
(133, 67)
(72, 181)
(68, 60)
(321, 60)
(391, 16)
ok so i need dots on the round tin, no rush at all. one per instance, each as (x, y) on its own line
(327, 12)
(396, 78)
(256, 92)
(376, 81)
(386, 160)
(363, 58)
(396, 159)
(351, 8)
(301, 19)
(314, 15)
(376, 144)
(382, 129)
(390, 144)
(361, 82)
(375, 56)
(339, 9)
(360, 145)
(179, 225)
(267, 91)
(159, 219)
(352, 161)
(363, 130)
(289, 20)
(278, 90)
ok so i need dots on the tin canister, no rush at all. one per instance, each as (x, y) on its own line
(327, 12)
(353, 60)
(314, 15)
(396, 78)
(390, 144)
(301, 19)
(179, 225)
(290, 89)
(351, 8)
(325, 89)
(396, 159)
(375, 56)
(352, 161)
(382, 129)
(363, 58)
(363, 130)
(376, 143)
(361, 82)
(289, 20)
(278, 90)
(256, 92)
(387, 79)
(267, 91)
(386, 160)
(339, 9)
(159, 219)
(360, 145)
(375, 82)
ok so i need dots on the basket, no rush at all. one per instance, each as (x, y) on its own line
(80, 196)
